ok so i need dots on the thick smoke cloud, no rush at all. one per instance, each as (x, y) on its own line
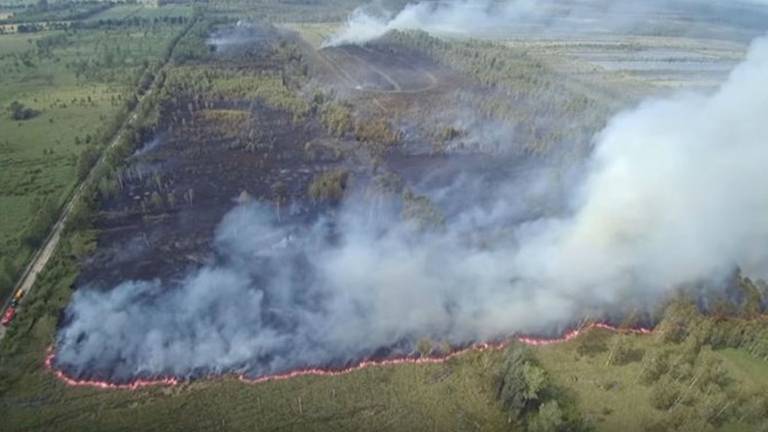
(488, 19)
(676, 193)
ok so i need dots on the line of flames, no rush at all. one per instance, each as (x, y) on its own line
(479, 347)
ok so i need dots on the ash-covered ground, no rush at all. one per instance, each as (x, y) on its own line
(215, 258)
(253, 237)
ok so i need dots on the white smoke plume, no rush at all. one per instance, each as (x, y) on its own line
(676, 193)
(488, 18)
(461, 17)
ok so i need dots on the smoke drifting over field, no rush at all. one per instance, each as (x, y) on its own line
(485, 18)
(676, 193)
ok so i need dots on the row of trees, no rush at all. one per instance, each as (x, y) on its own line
(689, 381)
(107, 179)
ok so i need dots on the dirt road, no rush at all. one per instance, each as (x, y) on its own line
(39, 260)
(45, 252)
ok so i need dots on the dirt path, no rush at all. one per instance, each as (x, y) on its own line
(397, 87)
(41, 257)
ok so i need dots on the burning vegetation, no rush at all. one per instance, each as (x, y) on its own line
(280, 211)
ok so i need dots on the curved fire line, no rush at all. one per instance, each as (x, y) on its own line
(478, 347)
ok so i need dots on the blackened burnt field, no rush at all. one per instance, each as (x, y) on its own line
(282, 215)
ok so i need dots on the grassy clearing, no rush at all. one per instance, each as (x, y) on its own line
(609, 396)
(314, 33)
(747, 369)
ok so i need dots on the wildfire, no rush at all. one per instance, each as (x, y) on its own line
(133, 385)
(479, 347)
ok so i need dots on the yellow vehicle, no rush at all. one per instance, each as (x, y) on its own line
(17, 297)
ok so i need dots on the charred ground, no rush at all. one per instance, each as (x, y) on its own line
(266, 118)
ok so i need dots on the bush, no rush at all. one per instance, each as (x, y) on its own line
(622, 353)
(419, 210)
(86, 161)
(19, 112)
(329, 186)
(592, 343)
(664, 394)
(45, 215)
(521, 382)
(654, 366)
(548, 419)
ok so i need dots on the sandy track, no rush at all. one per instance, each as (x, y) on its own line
(349, 62)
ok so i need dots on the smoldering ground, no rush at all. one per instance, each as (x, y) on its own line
(674, 194)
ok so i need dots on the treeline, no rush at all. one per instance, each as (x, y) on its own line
(737, 321)
(689, 383)
(103, 24)
(134, 21)
(44, 11)
(105, 181)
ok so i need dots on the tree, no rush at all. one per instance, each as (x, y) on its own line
(548, 419)
(421, 212)
(712, 372)
(86, 161)
(156, 200)
(7, 274)
(716, 409)
(753, 408)
(81, 216)
(722, 309)
(45, 214)
(751, 306)
(424, 347)
(280, 195)
(664, 394)
(654, 366)
(521, 382)
(329, 186)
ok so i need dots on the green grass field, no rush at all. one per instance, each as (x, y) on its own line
(624, 405)
(76, 82)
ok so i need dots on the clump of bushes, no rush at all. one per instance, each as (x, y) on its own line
(18, 111)
(329, 186)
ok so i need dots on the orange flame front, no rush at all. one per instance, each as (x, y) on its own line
(479, 347)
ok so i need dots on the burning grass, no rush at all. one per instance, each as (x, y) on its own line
(50, 361)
